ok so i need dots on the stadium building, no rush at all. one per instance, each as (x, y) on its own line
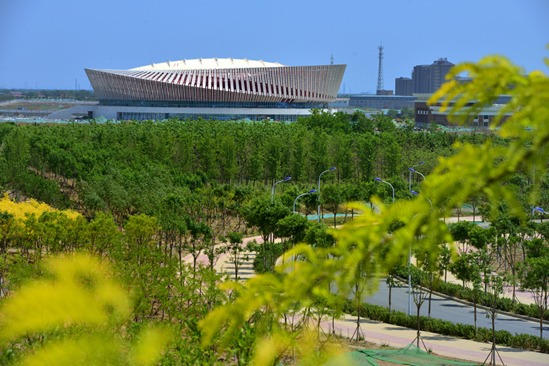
(221, 89)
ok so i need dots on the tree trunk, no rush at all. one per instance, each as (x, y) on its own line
(430, 296)
(236, 264)
(493, 336)
(541, 326)
(429, 308)
(390, 288)
(475, 313)
(358, 308)
(418, 325)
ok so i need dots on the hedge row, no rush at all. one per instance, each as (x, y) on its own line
(465, 293)
(504, 338)
(503, 303)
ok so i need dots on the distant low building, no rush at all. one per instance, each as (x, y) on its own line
(371, 101)
(339, 103)
(384, 92)
(426, 115)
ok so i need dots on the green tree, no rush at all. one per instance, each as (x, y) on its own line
(264, 215)
(234, 249)
(535, 277)
(102, 235)
(333, 198)
(292, 227)
(15, 159)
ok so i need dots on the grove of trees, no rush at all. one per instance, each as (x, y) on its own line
(140, 196)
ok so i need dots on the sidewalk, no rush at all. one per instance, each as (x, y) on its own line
(399, 337)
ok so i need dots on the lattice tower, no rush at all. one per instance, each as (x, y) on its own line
(380, 69)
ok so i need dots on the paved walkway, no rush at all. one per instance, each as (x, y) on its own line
(400, 337)
(392, 335)
(225, 262)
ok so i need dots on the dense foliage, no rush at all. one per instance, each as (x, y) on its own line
(151, 193)
(126, 168)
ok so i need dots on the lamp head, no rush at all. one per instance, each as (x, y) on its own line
(287, 178)
(414, 192)
(333, 168)
(412, 170)
(312, 191)
(378, 179)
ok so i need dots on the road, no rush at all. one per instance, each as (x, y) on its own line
(441, 308)
(456, 312)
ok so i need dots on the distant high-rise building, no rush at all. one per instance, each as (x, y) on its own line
(439, 69)
(428, 78)
(404, 86)
(420, 79)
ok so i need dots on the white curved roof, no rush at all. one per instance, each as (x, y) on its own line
(208, 63)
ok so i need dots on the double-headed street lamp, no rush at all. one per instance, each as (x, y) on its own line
(410, 170)
(318, 187)
(274, 185)
(538, 209)
(393, 188)
(417, 194)
(301, 195)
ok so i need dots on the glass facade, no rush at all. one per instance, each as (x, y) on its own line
(137, 116)
(187, 104)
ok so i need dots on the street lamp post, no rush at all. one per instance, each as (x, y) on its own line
(274, 185)
(417, 194)
(410, 170)
(410, 280)
(301, 195)
(318, 188)
(393, 188)
(538, 209)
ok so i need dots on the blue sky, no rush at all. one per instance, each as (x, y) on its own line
(48, 43)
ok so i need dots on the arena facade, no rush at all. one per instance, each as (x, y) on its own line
(215, 88)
